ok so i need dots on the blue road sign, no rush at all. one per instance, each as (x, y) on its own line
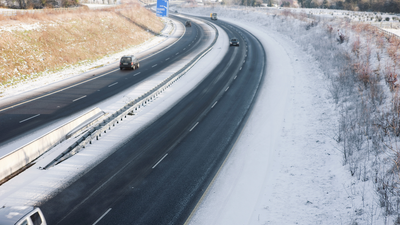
(162, 8)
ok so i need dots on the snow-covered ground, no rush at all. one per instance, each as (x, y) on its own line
(284, 168)
(72, 71)
(35, 185)
(169, 35)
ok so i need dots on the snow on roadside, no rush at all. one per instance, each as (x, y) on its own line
(34, 185)
(75, 70)
(285, 167)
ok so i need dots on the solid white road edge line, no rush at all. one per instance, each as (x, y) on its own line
(29, 118)
(79, 98)
(101, 217)
(159, 161)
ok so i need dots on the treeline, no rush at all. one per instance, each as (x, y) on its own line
(389, 6)
(38, 4)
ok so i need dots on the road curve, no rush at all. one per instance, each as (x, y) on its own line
(37, 111)
(158, 176)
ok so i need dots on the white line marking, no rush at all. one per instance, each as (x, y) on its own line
(193, 126)
(102, 216)
(136, 74)
(29, 118)
(159, 161)
(214, 104)
(240, 68)
(57, 91)
(154, 65)
(226, 88)
(184, 49)
(177, 53)
(79, 98)
(244, 61)
(235, 78)
(167, 59)
(112, 84)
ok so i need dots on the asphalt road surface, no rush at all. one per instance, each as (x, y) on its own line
(21, 116)
(159, 175)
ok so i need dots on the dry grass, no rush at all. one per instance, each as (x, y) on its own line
(393, 49)
(68, 38)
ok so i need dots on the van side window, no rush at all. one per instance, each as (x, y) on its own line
(36, 219)
(25, 222)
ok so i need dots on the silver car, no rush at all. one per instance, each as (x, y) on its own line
(21, 215)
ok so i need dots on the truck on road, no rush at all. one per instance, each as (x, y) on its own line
(213, 16)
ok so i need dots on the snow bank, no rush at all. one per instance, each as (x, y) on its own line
(286, 167)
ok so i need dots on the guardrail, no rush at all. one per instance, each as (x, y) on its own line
(130, 108)
(25, 155)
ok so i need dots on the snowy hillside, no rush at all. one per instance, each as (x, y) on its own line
(319, 147)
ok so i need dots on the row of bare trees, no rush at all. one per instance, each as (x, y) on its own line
(38, 4)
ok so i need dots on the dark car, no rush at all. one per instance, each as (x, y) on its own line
(188, 24)
(129, 61)
(234, 42)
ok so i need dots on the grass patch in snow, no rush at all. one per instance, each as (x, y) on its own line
(68, 38)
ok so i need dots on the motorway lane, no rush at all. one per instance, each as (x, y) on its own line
(45, 108)
(158, 176)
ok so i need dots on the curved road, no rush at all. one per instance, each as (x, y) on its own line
(26, 115)
(159, 175)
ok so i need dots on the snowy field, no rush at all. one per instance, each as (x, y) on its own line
(286, 167)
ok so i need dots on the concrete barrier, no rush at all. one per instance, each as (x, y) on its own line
(130, 108)
(23, 156)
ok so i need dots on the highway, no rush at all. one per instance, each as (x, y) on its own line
(159, 175)
(20, 116)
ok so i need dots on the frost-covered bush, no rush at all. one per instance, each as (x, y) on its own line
(361, 77)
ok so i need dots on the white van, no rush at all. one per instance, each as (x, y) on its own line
(21, 215)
